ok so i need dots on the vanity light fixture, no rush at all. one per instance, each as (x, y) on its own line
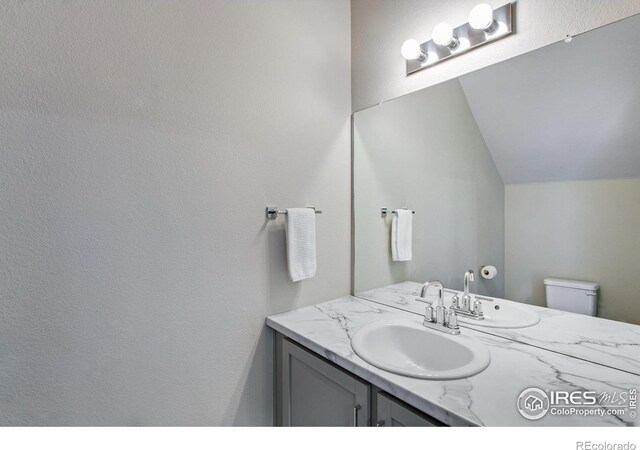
(481, 18)
(485, 25)
(443, 35)
(411, 50)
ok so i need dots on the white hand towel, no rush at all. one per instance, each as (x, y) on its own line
(401, 231)
(300, 227)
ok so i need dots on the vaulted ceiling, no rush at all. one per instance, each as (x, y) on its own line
(569, 111)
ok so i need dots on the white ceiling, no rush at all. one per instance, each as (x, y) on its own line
(569, 111)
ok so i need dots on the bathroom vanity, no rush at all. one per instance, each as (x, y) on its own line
(321, 381)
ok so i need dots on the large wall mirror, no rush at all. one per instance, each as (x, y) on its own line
(531, 166)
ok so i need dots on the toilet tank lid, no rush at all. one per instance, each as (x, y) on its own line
(584, 285)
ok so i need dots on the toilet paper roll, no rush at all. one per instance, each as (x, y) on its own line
(488, 272)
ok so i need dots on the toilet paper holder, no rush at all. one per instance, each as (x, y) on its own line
(488, 272)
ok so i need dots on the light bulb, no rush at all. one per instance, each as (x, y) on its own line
(481, 17)
(443, 35)
(411, 50)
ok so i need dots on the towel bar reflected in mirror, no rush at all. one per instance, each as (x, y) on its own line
(385, 211)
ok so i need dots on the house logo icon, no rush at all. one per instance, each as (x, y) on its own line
(533, 403)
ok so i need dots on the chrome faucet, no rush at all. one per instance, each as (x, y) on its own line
(439, 318)
(466, 298)
(465, 306)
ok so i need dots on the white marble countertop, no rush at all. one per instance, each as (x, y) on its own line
(488, 398)
(602, 341)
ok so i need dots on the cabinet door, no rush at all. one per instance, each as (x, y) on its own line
(314, 392)
(393, 413)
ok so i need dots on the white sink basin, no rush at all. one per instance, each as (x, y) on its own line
(503, 314)
(408, 348)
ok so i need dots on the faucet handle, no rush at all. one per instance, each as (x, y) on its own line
(477, 307)
(455, 301)
(428, 314)
(452, 320)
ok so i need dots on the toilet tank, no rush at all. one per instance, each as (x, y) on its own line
(579, 297)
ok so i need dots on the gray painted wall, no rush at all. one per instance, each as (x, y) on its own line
(140, 143)
(424, 151)
(581, 230)
(379, 27)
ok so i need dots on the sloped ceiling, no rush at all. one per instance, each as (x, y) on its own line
(569, 111)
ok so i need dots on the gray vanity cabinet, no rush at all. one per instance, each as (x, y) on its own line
(313, 392)
(390, 412)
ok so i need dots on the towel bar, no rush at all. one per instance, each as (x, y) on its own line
(272, 212)
(385, 211)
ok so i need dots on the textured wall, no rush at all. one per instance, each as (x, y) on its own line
(580, 230)
(424, 151)
(379, 27)
(139, 144)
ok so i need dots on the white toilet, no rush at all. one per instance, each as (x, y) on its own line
(579, 297)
